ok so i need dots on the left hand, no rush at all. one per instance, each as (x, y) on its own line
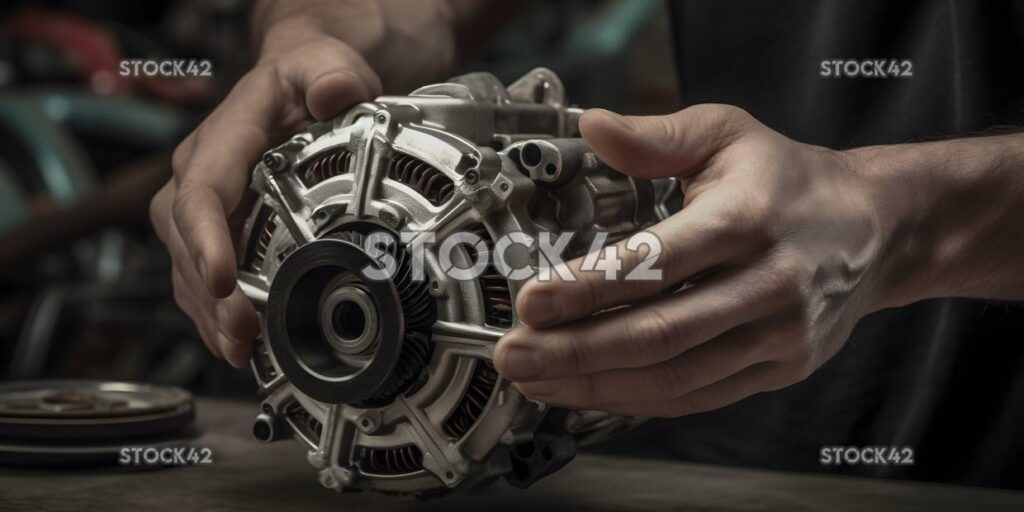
(787, 242)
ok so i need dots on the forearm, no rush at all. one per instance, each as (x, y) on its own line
(407, 42)
(953, 217)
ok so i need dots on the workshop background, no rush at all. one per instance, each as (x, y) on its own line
(84, 283)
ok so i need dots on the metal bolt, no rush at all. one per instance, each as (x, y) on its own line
(436, 290)
(380, 117)
(472, 177)
(367, 423)
(392, 220)
(503, 187)
(275, 161)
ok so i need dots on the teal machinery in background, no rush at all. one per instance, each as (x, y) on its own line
(43, 158)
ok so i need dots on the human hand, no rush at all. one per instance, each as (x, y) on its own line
(780, 246)
(305, 77)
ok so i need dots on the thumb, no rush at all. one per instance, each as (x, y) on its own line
(332, 77)
(678, 144)
(332, 92)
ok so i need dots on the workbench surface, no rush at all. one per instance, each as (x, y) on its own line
(248, 476)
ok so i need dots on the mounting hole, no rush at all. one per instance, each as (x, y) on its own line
(261, 430)
(348, 320)
(531, 155)
(366, 424)
(550, 169)
(449, 475)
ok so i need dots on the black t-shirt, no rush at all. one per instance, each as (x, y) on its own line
(943, 377)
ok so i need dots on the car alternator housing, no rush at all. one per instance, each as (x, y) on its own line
(389, 384)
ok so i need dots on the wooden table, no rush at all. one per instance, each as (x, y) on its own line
(248, 476)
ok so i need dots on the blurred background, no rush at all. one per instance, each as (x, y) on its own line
(84, 283)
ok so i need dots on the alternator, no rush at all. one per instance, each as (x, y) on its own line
(388, 382)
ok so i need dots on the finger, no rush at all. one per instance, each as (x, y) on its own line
(640, 336)
(333, 92)
(698, 367)
(234, 316)
(231, 140)
(334, 78)
(188, 303)
(160, 212)
(712, 232)
(183, 153)
(678, 144)
(212, 182)
(235, 350)
(761, 377)
(238, 324)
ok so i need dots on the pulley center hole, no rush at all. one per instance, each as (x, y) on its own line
(348, 320)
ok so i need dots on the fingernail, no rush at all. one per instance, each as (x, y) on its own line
(540, 308)
(520, 363)
(538, 388)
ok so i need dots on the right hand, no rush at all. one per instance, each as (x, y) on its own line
(315, 79)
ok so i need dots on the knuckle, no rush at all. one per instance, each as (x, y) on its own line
(157, 211)
(180, 157)
(653, 335)
(789, 281)
(671, 380)
(744, 221)
(793, 337)
(734, 117)
(727, 111)
(729, 120)
(186, 201)
(573, 354)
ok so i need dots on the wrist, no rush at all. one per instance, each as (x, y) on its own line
(903, 195)
(949, 213)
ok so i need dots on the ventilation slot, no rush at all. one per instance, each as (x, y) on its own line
(493, 285)
(421, 177)
(263, 231)
(264, 365)
(391, 461)
(303, 422)
(328, 165)
(478, 393)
